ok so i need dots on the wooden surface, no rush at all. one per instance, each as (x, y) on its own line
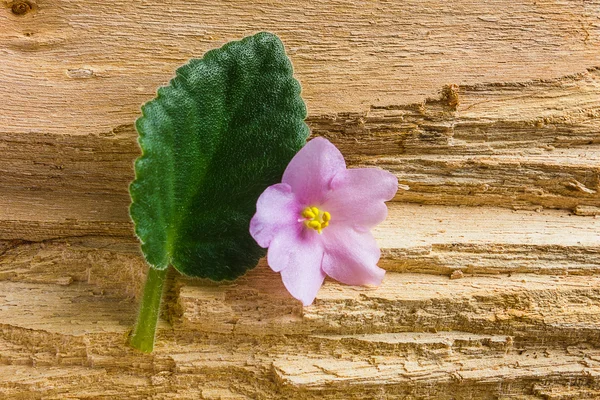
(489, 114)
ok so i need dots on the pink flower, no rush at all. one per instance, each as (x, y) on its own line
(317, 221)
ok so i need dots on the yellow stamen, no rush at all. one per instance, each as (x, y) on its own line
(316, 219)
(314, 224)
(308, 214)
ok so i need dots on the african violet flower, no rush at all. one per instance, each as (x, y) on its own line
(317, 221)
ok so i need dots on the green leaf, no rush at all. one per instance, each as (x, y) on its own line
(222, 131)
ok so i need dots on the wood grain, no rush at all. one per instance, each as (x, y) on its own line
(415, 336)
(488, 113)
(480, 153)
(437, 240)
(68, 62)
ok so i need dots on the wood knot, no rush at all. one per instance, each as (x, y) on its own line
(21, 7)
(450, 95)
(80, 73)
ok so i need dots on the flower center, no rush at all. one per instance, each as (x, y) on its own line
(315, 219)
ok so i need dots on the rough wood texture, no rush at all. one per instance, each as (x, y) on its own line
(488, 112)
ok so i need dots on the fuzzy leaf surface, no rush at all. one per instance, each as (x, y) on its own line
(212, 140)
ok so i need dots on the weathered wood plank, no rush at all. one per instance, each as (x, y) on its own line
(483, 240)
(492, 104)
(425, 239)
(490, 152)
(562, 179)
(85, 67)
(533, 308)
(350, 342)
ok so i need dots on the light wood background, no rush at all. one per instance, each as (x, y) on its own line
(488, 112)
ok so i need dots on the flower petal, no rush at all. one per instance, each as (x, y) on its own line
(304, 282)
(297, 254)
(357, 196)
(351, 256)
(311, 170)
(276, 209)
(292, 245)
